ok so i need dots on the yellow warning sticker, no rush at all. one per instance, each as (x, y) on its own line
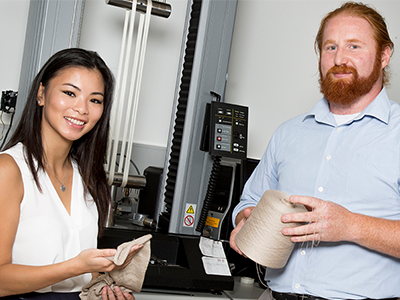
(213, 222)
(190, 210)
(188, 218)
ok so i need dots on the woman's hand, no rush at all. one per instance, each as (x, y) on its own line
(108, 294)
(95, 260)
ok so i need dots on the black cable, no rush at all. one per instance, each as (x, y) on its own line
(212, 182)
(8, 131)
(132, 162)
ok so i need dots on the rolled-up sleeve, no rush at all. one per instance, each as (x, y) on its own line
(264, 177)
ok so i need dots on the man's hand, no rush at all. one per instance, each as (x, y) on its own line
(325, 221)
(240, 219)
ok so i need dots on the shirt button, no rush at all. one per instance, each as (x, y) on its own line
(297, 286)
(328, 157)
(339, 129)
(303, 252)
(321, 189)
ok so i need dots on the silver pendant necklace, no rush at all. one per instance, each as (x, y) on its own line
(62, 187)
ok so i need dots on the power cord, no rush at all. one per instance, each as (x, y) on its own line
(212, 182)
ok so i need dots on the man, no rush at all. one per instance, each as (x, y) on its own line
(343, 159)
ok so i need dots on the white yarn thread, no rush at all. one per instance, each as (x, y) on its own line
(315, 242)
(136, 71)
(126, 73)
(119, 95)
(261, 238)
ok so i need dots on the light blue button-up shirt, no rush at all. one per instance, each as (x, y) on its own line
(355, 165)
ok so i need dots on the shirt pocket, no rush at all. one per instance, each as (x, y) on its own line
(373, 177)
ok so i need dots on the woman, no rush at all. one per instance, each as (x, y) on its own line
(54, 191)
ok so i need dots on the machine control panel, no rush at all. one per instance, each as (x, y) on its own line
(228, 134)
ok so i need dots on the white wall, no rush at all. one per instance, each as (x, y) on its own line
(14, 16)
(273, 68)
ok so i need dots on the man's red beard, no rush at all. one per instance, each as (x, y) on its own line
(345, 91)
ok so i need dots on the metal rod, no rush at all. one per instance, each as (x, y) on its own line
(160, 9)
(134, 181)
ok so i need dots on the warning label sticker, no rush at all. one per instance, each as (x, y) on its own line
(213, 222)
(188, 219)
(190, 210)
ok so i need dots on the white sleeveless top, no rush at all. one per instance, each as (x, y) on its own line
(46, 233)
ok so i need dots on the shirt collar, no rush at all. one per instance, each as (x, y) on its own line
(379, 109)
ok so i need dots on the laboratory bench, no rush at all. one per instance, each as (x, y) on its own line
(241, 291)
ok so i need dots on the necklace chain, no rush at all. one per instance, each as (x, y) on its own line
(62, 187)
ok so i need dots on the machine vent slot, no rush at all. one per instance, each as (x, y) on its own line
(180, 115)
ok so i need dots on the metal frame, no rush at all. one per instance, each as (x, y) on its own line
(209, 73)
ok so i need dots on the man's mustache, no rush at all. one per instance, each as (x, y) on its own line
(342, 69)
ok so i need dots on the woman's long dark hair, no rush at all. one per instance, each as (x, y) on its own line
(90, 150)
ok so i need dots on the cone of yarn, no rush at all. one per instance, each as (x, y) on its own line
(261, 238)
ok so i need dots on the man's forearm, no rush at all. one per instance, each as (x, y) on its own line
(377, 234)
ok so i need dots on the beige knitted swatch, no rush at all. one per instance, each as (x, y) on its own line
(130, 278)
